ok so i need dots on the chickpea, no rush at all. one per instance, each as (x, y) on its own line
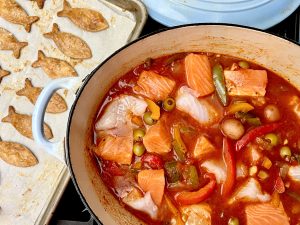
(271, 113)
(232, 128)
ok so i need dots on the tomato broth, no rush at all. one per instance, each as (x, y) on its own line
(196, 144)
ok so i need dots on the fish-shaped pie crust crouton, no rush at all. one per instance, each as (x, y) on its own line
(16, 154)
(11, 11)
(9, 42)
(40, 3)
(69, 44)
(3, 73)
(86, 19)
(56, 104)
(23, 123)
(54, 68)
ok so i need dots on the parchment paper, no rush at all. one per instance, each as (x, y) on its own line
(25, 192)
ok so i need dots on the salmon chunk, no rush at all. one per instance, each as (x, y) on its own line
(246, 82)
(158, 138)
(198, 74)
(116, 149)
(266, 214)
(154, 86)
(153, 181)
(202, 148)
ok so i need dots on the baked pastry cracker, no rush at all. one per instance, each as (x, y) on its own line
(86, 19)
(9, 42)
(53, 67)
(69, 44)
(56, 104)
(16, 154)
(22, 123)
(11, 11)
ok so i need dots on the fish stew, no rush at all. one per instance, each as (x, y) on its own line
(202, 138)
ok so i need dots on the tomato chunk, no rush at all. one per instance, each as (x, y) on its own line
(152, 161)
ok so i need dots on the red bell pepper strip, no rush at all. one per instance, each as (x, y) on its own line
(254, 133)
(194, 197)
(229, 161)
(279, 185)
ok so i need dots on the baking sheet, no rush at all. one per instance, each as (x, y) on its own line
(25, 193)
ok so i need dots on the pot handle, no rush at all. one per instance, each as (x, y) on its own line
(39, 114)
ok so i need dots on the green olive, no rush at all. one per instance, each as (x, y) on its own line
(138, 134)
(285, 151)
(138, 149)
(244, 65)
(233, 221)
(273, 138)
(169, 104)
(148, 119)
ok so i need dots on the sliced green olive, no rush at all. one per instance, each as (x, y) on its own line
(233, 221)
(273, 138)
(285, 151)
(138, 134)
(148, 119)
(169, 104)
(244, 65)
(138, 149)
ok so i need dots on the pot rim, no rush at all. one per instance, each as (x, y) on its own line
(89, 76)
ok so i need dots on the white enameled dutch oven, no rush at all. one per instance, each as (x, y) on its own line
(269, 51)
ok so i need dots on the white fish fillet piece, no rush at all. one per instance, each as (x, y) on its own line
(241, 170)
(249, 191)
(216, 167)
(119, 112)
(146, 205)
(199, 109)
(294, 173)
(197, 214)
